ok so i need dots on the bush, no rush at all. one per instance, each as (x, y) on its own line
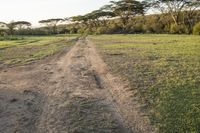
(64, 31)
(102, 30)
(153, 28)
(178, 29)
(196, 29)
(167, 28)
(138, 28)
(114, 28)
(73, 30)
(3, 33)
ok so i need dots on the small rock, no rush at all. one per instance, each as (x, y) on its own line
(13, 100)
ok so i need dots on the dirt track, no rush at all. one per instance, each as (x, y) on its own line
(73, 93)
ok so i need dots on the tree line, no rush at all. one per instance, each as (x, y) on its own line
(24, 28)
(131, 16)
(122, 16)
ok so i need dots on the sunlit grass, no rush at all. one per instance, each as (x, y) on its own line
(25, 49)
(165, 72)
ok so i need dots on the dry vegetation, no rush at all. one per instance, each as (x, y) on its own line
(26, 49)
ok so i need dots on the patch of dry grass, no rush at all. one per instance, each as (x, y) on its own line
(29, 48)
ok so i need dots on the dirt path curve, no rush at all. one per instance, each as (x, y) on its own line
(73, 93)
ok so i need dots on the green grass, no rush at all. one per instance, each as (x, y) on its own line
(25, 49)
(164, 70)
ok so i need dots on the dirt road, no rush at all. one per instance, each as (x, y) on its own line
(71, 93)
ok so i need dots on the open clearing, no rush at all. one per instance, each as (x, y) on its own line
(27, 49)
(70, 92)
(163, 72)
(155, 84)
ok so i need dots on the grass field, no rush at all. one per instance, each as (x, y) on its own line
(164, 74)
(25, 49)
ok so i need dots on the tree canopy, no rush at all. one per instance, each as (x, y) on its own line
(51, 24)
(175, 7)
(12, 25)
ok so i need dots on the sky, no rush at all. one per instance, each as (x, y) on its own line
(35, 10)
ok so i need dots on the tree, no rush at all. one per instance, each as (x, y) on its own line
(93, 20)
(2, 29)
(123, 9)
(21, 24)
(103, 15)
(191, 14)
(81, 22)
(126, 9)
(175, 7)
(99, 17)
(12, 25)
(51, 24)
(2, 24)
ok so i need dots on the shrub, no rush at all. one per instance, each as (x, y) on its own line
(157, 28)
(64, 31)
(153, 28)
(167, 28)
(138, 28)
(196, 29)
(81, 30)
(178, 29)
(3, 33)
(114, 28)
(73, 30)
(102, 30)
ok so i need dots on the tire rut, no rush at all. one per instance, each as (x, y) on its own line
(73, 93)
(119, 94)
(76, 99)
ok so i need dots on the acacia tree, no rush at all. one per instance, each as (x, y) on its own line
(175, 7)
(21, 24)
(79, 21)
(191, 14)
(12, 25)
(123, 9)
(102, 15)
(92, 20)
(99, 17)
(51, 24)
(126, 9)
(2, 29)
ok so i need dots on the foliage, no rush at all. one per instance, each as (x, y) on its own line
(175, 7)
(126, 9)
(177, 17)
(10, 27)
(196, 29)
(178, 29)
(51, 24)
(120, 16)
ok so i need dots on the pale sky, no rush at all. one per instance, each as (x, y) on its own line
(35, 10)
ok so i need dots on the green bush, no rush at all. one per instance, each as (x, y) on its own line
(101, 30)
(114, 28)
(196, 29)
(178, 29)
(3, 33)
(138, 28)
(72, 30)
(167, 28)
(153, 28)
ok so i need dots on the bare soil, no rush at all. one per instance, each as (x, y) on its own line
(71, 93)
